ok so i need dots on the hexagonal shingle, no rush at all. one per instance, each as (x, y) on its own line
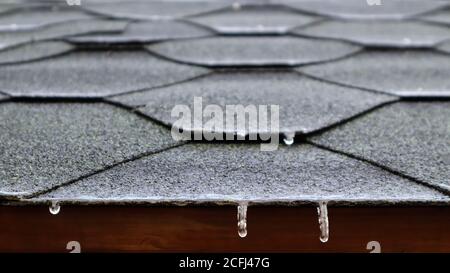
(34, 51)
(444, 47)
(146, 32)
(232, 173)
(156, 10)
(10, 39)
(254, 20)
(405, 73)
(380, 34)
(92, 74)
(40, 16)
(411, 138)
(49, 144)
(253, 51)
(305, 105)
(356, 9)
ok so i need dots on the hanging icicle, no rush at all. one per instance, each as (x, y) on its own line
(242, 219)
(54, 208)
(288, 138)
(322, 211)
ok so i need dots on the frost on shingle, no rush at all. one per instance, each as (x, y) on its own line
(33, 51)
(404, 73)
(380, 34)
(156, 10)
(48, 144)
(254, 20)
(10, 39)
(92, 74)
(305, 105)
(146, 32)
(31, 18)
(361, 9)
(253, 51)
(208, 172)
(411, 138)
(439, 17)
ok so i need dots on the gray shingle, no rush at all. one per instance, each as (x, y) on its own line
(30, 18)
(48, 144)
(356, 9)
(147, 10)
(440, 17)
(92, 74)
(445, 47)
(33, 51)
(412, 138)
(9, 39)
(146, 32)
(404, 73)
(254, 20)
(305, 105)
(221, 173)
(252, 51)
(380, 34)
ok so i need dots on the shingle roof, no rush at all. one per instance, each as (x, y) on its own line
(87, 93)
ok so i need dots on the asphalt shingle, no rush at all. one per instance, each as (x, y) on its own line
(156, 10)
(367, 10)
(10, 39)
(305, 105)
(30, 18)
(412, 138)
(33, 51)
(439, 17)
(445, 47)
(253, 51)
(380, 34)
(233, 173)
(404, 73)
(48, 144)
(146, 32)
(92, 74)
(254, 20)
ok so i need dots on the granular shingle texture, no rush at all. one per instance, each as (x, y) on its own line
(305, 105)
(92, 74)
(406, 73)
(146, 32)
(252, 51)
(439, 17)
(241, 172)
(49, 144)
(412, 138)
(34, 51)
(36, 17)
(380, 34)
(445, 47)
(10, 39)
(155, 10)
(367, 10)
(254, 20)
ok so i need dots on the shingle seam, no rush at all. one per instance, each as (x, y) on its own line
(67, 183)
(39, 58)
(353, 117)
(444, 191)
(159, 86)
(311, 76)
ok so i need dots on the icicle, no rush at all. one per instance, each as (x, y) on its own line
(289, 138)
(322, 210)
(54, 208)
(242, 219)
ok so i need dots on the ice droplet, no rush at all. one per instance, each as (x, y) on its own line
(289, 138)
(322, 210)
(242, 220)
(54, 208)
